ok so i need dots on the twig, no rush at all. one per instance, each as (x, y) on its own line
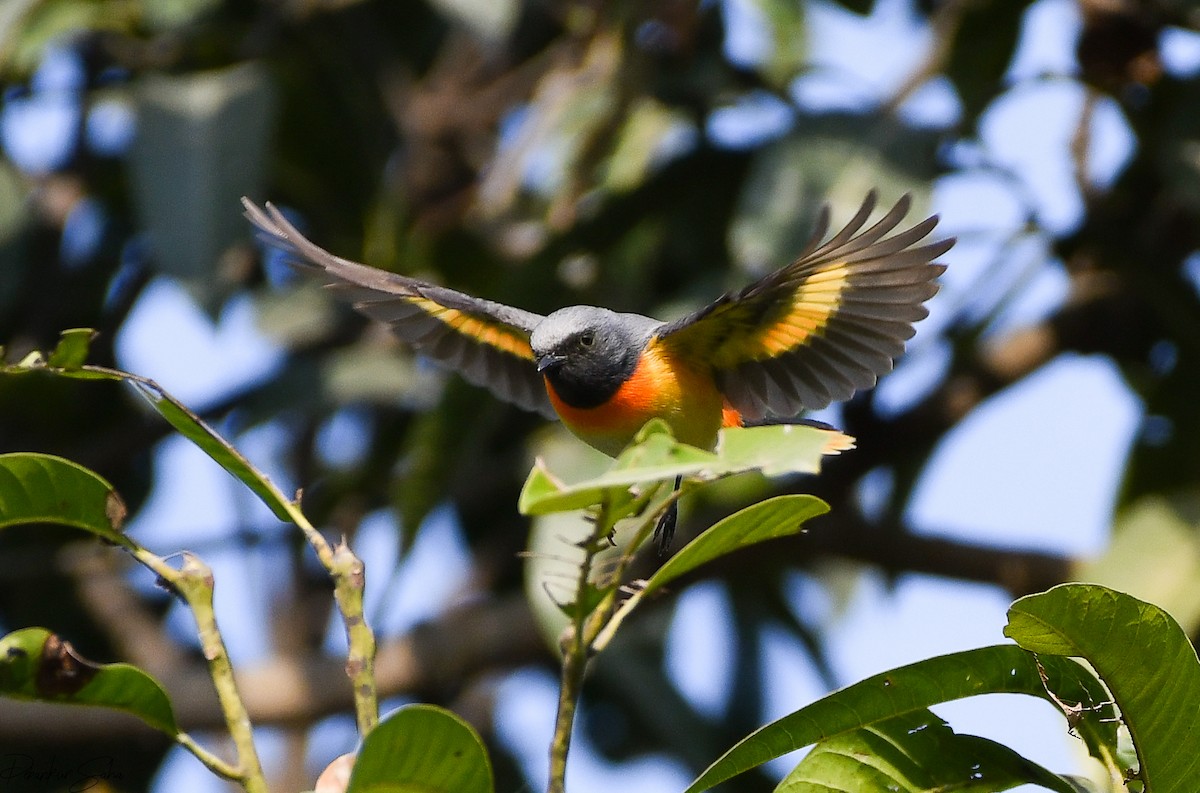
(194, 582)
(575, 652)
(349, 579)
(579, 642)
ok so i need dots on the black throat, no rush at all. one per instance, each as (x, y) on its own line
(586, 383)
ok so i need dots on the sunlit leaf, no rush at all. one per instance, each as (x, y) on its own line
(915, 687)
(1154, 555)
(38, 665)
(72, 349)
(781, 516)
(779, 448)
(1144, 658)
(639, 145)
(656, 457)
(914, 753)
(422, 749)
(42, 488)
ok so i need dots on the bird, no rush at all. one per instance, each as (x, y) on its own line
(804, 336)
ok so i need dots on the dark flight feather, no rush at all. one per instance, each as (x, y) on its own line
(823, 327)
(486, 342)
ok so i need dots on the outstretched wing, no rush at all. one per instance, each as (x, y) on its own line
(487, 343)
(823, 327)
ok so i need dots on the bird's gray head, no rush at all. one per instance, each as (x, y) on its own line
(587, 352)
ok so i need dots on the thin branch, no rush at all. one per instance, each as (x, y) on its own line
(575, 650)
(194, 581)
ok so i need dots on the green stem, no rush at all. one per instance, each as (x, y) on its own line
(349, 577)
(615, 615)
(210, 760)
(579, 642)
(194, 581)
(575, 651)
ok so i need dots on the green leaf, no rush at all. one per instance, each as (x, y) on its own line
(28, 27)
(655, 456)
(981, 49)
(914, 753)
(789, 42)
(36, 664)
(1144, 658)
(422, 749)
(778, 449)
(220, 450)
(191, 426)
(66, 361)
(987, 670)
(42, 488)
(1154, 555)
(72, 349)
(781, 516)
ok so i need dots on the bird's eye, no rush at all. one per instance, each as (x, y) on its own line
(587, 338)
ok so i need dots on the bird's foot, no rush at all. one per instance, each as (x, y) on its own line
(664, 530)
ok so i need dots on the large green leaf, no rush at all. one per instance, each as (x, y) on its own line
(655, 456)
(42, 488)
(36, 664)
(915, 687)
(422, 749)
(1144, 658)
(781, 516)
(777, 449)
(914, 753)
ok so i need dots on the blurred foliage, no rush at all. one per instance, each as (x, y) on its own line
(547, 153)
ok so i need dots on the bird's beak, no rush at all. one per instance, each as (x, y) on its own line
(549, 361)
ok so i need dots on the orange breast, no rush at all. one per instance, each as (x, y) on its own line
(688, 400)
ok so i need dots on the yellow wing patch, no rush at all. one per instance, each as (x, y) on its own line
(498, 337)
(814, 302)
